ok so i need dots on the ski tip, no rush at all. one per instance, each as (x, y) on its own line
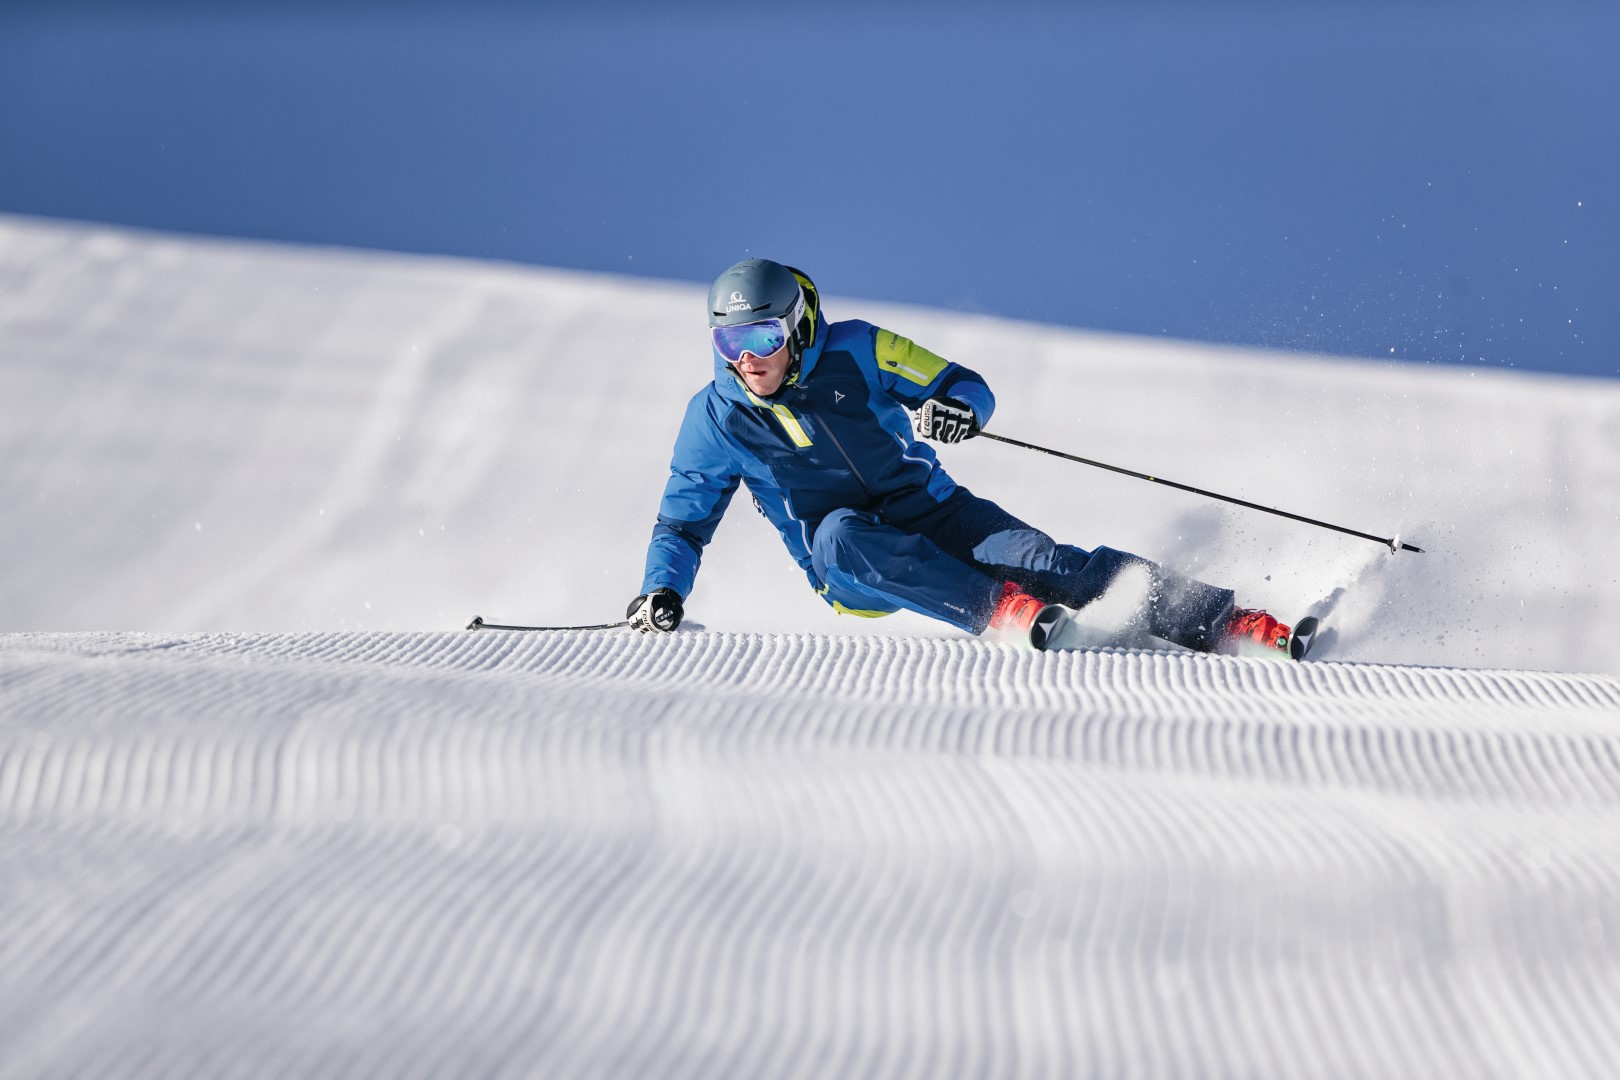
(477, 623)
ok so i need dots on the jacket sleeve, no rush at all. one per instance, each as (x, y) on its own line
(912, 375)
(702, 479)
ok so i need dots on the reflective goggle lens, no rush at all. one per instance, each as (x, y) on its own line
(759, 338)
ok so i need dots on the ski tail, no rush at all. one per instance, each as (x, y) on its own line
(1050, 623)
(1303, 637)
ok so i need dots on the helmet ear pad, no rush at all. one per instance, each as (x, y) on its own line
(804, 334)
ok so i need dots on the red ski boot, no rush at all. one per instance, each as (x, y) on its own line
(1015, 612)
(1251, 629)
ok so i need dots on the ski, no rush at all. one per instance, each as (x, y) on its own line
(1062, 629)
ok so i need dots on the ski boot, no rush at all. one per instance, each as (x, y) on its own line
(1014, 614)
(1252, 632)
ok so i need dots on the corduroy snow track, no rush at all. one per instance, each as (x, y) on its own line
(603, 854)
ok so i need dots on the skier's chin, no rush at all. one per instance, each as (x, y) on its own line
(762, 385)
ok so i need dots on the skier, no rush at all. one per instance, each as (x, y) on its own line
(811, 416)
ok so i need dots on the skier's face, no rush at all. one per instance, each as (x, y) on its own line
(764, 374)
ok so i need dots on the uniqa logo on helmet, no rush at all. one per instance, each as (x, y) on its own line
(737, 303)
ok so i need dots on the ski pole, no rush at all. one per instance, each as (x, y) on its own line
(1393, 543)
(478, 623)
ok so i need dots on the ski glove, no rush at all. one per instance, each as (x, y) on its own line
(658, 611)
(946, 420)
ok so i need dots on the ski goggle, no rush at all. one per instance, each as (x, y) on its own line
(759, 338)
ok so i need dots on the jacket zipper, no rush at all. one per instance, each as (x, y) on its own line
(808, 408)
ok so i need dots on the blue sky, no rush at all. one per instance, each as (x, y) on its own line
(1432, 183)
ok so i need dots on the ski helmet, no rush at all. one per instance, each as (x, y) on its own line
(758, 289)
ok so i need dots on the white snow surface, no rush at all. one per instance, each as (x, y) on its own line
(707, 854)
(265, 810)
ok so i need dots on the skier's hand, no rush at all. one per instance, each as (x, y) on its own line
(945, 420)
(656, 612)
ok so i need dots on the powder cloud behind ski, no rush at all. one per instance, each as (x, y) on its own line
(206, 435)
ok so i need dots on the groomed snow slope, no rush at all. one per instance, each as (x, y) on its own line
(791, 844)
(715, 854)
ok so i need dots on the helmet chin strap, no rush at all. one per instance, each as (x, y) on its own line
(796, 348)
(796, 358)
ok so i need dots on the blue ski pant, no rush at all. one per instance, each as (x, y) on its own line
(949, 560)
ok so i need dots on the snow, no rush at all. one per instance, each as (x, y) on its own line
(265, 809)
(772, 855)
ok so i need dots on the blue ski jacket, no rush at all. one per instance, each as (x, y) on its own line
(837, 437)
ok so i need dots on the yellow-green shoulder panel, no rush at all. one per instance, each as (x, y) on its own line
(907, 359)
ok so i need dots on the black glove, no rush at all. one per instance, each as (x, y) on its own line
(658, 611)
(946, 420)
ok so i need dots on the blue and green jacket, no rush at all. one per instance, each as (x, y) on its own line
(836, 437)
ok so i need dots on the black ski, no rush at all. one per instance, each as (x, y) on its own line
(1055, 629)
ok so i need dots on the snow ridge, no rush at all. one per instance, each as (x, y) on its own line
(567, 854)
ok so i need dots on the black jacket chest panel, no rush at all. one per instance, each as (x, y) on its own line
(837, 390)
